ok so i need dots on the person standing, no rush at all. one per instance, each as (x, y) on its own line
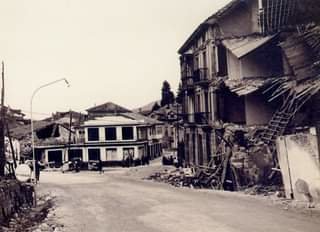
(37, 171)
(100, 166)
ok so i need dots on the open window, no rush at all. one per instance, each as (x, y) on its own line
(111, 133)
(221, 60)
(127, 133)
(93, 134)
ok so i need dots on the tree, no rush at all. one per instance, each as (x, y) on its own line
(167, 96)
(179, 94)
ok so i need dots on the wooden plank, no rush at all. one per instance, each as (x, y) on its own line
(284, 166)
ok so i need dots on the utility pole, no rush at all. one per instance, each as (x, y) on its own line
(70, 128)
(2, 123)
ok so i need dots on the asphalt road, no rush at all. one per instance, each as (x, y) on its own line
(120, 201)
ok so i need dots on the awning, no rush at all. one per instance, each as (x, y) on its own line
(241, 47)
(246, 86)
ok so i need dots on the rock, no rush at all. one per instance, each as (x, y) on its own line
(44, 226)
(57, 230)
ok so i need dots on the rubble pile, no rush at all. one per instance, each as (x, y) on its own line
(36, 219)
(250, 163)
(176, 177)
(237, 165)
(266, 190)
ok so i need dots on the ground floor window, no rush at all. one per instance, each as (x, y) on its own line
(112, 154)
(141, 152)
(75, 153)
(128, 152)
(94, 154)
(128, 157)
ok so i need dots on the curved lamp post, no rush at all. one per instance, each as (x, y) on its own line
(32, 133)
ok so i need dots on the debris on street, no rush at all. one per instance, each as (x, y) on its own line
(35, 219)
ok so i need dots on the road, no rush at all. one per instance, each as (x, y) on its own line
(119, 201)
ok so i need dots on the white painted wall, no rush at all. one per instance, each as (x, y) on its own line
(300, 170)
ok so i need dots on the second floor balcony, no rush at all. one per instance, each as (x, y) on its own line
(201, 75)
(201, 118)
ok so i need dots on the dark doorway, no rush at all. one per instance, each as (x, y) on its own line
(75, 153)
(56, 157)
(200, 150)
(94, 154)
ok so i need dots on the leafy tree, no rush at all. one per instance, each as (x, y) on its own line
(167, 96)
(179, 94)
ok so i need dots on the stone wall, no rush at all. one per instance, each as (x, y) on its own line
(13, 196)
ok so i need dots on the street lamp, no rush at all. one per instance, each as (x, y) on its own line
(32, 133)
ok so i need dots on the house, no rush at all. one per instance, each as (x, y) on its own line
(246, 75)
(111, 134)
(66, 117)
(112, 138)
(170, 116)
(147, 109)
(47, 135)
(108, 108)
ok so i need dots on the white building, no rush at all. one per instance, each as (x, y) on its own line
(111, 139)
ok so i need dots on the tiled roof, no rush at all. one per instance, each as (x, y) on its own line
(140, 117)
(108, 107)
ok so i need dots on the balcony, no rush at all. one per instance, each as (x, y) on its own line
(201, 76)
(201, 118)
(186, 74)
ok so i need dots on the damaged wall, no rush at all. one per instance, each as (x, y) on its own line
(244, 20)
(299, 162)
(264, 62)
(258, 111)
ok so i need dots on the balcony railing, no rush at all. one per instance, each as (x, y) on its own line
(197, 118)
(200, 75)
(185, 74)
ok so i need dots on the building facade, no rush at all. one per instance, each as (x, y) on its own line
(227, 65)
(111, 137)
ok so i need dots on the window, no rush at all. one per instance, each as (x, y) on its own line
(141, 151)
(142, 133)
(94, 154)
(203, 38)
(111, 133)
(128, 152)
(112, 154)
(127, 133)
(159, 130)
(93, 134)
(75, 153)
(204, 60)
(196, 62)
(221, 56)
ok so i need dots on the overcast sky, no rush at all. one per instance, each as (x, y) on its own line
(109, 50)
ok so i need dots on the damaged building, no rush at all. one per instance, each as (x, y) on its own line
(249, 75)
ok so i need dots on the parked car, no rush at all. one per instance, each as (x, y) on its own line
(93, 165)
(169, 158)
(73, 165)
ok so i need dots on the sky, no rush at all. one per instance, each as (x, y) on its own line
(109, 50)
